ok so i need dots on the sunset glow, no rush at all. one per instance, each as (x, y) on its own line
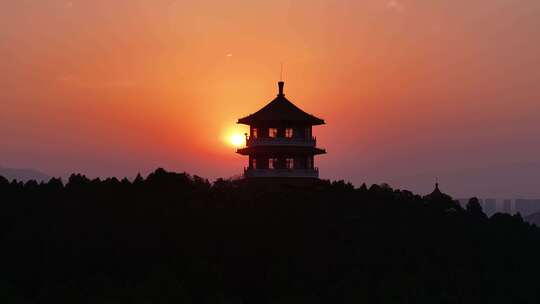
(237, 140)
(120, 87)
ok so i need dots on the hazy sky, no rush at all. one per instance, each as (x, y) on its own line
(410, 89)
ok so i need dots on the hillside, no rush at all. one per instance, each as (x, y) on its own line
(176, 238)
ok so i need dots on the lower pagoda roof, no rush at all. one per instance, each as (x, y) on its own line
(280, 150)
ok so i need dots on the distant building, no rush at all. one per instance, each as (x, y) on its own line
(526, 206)
(481, 202)
(489, 206)
(507, 206)
(280, 142)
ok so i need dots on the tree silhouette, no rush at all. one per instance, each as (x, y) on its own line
(177, 238)
(474, 208)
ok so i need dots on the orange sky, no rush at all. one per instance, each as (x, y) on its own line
(410, 90)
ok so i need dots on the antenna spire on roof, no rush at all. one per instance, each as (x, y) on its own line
(281, 83)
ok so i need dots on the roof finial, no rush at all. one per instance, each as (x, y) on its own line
(281, 84)
(436, 183)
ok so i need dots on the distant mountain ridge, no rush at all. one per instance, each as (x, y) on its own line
(23, 175)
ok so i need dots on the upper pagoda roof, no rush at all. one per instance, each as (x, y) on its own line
(436, 191)
(281, 110)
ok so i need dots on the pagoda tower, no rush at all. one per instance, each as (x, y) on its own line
(280, 143)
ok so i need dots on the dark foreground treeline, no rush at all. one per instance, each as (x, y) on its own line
(174, 238)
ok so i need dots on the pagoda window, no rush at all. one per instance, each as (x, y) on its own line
(309, 163)
(254, 163)
(272, 163)
(254, 133)
(307, 133)
(289, 163)
(289, 132)
(272, 132)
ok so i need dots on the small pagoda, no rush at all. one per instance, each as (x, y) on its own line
(280, 143)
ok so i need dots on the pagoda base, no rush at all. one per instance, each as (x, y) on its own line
(280, 182)
(281, 173)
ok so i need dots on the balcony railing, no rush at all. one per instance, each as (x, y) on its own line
(281, 141)
(250, 172)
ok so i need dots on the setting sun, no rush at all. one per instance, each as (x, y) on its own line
(236, 140)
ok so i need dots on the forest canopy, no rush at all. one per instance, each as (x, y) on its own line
(177, 238)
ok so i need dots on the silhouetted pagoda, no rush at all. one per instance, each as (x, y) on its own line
(280, 142)
(437, 194)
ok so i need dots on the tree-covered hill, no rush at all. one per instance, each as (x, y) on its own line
(176, 238)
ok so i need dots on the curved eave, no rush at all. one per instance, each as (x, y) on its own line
(280, 149)
(249, 120)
